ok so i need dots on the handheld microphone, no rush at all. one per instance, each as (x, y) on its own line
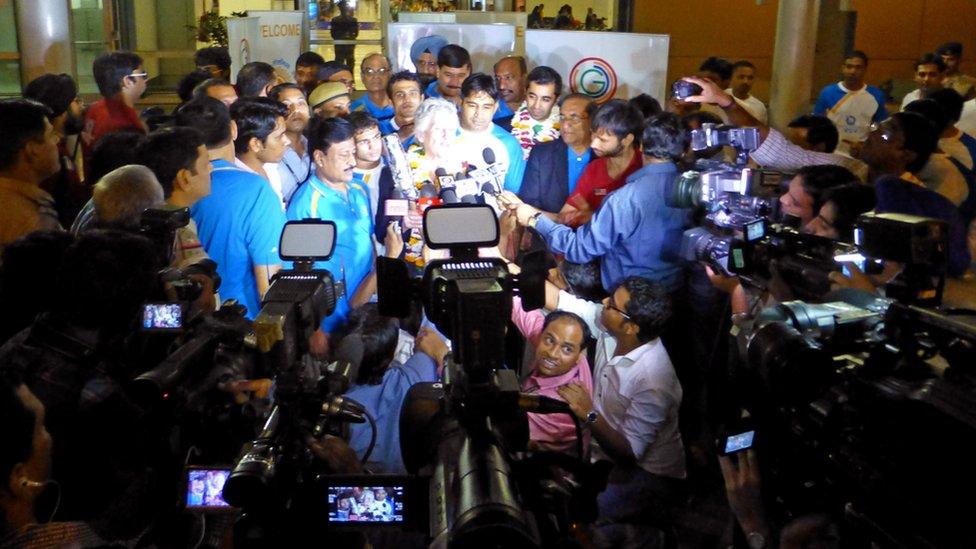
(427, 190)
(428, 196)
(492, 167)
(397, 205)
(542, 404)
(469, 199)
(449, 195)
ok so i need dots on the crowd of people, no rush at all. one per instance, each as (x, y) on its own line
(627, 335)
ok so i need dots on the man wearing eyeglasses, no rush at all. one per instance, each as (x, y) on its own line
(375, 72)
(633, 413)
(121, 80)
(554, 167)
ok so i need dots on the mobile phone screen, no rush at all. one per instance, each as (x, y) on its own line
(739, 442)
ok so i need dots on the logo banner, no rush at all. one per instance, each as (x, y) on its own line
(603, 65)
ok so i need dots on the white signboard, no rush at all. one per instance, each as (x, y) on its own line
(486, 43)
(274, 37)
(603, 65)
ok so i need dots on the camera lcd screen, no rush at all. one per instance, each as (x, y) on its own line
(366, 504)
(455, 225)
(204, 488)
(162, 316)
(308, 239)
(738, 443)
(755, 230)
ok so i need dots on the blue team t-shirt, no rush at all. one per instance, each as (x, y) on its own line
(575, 164)
(380, 114)
(239, 225)
(353, 257)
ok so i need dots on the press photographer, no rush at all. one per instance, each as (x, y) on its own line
(112, 460)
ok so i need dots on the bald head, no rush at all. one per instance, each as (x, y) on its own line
(123, 194)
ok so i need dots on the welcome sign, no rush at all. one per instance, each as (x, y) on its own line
(274, 37)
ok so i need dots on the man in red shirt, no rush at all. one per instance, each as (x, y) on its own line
(616, 129)
(121, 80)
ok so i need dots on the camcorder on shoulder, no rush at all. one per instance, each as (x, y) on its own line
(731, 197)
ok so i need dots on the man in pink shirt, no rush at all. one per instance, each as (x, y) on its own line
(560, 341)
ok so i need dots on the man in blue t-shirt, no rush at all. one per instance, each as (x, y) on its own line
(851, 104)
(479, 101)
(375, 72)
(453, 67)
(332, 195)
(406, 94)
(240, 223)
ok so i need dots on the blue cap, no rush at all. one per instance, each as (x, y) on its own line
(432, 43)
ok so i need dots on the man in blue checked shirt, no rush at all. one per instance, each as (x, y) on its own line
(332, 195)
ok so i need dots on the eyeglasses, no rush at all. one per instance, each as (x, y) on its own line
(885, 133)
(374, 72)
(144, 75)
(572, 119)
(611, 306)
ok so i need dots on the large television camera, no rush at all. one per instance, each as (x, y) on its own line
(731, 196)
(865, 407)
(466, 434)
(277, 466)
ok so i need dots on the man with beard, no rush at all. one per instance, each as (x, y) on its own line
(295, 166)
(59, 93)
(406, 93)
(424, 53)
(616, 131)
(537, 118)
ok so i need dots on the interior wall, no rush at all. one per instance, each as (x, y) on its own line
(893, 34)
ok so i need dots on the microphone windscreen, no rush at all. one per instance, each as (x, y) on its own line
(469, 199)
(488, 155)
(397, 194)
(427, 190)
(489, 188)
(440, 172)
(448, 195)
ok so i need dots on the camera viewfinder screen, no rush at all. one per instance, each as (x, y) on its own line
(755, 230)
(162, 316)
(204, 488)
(737, 443)
(370, 504)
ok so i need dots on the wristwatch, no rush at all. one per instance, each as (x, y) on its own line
(590, 418)
(534, 219)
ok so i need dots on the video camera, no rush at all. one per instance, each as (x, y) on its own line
(732, 196)
(866, 409)
(804, 261)
(161, 227)
(464, 434)
(277, 466)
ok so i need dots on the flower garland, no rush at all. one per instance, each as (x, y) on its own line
(530, 131)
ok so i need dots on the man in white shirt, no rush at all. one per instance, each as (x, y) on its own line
(929, 74)
(633, 415)
(479, 102)
(743, 76)
(851, 104)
